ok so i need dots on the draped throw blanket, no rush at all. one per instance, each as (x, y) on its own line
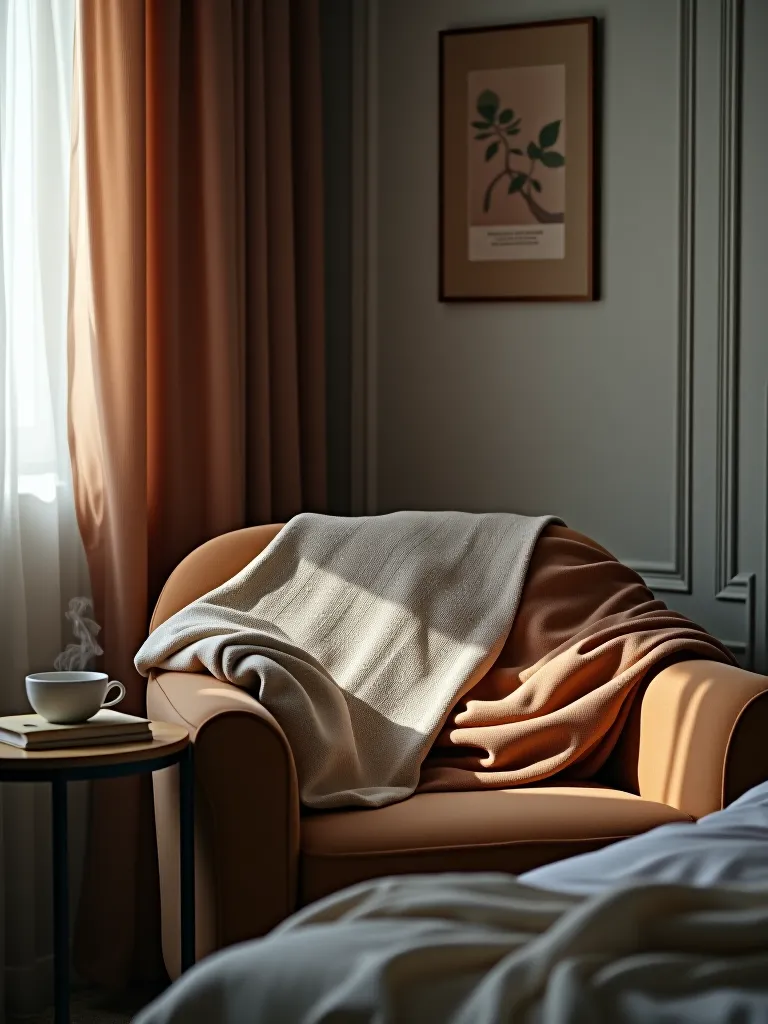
(359, 635)
(586, 637)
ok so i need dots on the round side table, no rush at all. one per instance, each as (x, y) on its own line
(170, 744)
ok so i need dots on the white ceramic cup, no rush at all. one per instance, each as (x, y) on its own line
(65, 698)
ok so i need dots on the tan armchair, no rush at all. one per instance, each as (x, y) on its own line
(693, 743)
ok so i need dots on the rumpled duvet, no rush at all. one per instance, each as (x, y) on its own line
(487, 949)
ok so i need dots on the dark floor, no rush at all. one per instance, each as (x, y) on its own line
(93, 1007)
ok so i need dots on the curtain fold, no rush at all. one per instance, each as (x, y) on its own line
(196, 342)
(42, 564)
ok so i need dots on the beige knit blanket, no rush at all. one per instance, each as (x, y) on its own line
(359, 635)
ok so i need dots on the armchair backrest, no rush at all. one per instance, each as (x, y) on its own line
(210, 565)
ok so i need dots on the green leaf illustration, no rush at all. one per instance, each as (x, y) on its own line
(481, 125)
(551, 159)
(513, 131)
(516, 124)
(536, 184)
(533, 151)
(506, 116)
(487, 104)
(483, 135)
(517, 183)
(548, 134)
(518, 152)
(491, 151)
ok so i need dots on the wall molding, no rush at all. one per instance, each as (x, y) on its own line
(653, 571)
(729, 584)
(675, 576)
(746, 582)
(736, 647)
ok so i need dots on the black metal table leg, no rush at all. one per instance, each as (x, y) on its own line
(60, 902)
(170, 745)
(187, 856)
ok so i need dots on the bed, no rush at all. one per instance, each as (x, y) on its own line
(671, 925)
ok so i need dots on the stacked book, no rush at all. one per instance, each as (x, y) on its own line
(35, 733)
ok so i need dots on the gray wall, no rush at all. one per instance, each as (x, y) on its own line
(641, 418)
(336, 47)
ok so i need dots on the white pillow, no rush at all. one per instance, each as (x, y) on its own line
(729, 847)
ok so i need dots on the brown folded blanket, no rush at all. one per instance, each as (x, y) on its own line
(587, 632)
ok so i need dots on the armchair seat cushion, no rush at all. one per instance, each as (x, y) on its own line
(510, 830)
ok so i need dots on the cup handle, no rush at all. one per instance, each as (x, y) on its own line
(116, 700)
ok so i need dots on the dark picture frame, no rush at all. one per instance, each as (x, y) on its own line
(517, 162)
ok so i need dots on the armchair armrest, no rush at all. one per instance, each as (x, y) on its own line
(246, 814)
(702, 736)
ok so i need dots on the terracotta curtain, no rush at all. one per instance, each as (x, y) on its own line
(196, 343)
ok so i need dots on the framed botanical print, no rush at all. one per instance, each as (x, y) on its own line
(517, 141)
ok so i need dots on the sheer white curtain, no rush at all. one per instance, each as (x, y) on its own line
(41, 559)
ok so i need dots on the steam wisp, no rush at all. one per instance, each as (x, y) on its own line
(76, 657)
